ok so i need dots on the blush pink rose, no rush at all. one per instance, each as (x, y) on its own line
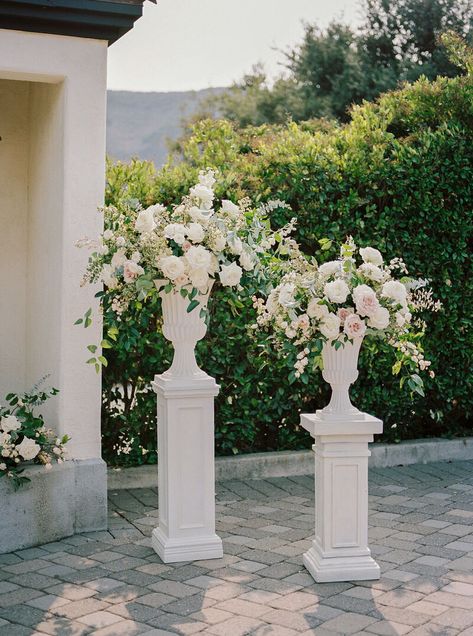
(365, 300)
(343, 313)
(131, 271)
(354, 327)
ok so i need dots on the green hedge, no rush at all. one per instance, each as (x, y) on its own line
(398, 176)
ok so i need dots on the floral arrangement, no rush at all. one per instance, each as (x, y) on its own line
(24, 437)
(190, 246)
(355, 296)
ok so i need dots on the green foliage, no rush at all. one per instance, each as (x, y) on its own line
(332, 69)
(19, 423)
(399, 177)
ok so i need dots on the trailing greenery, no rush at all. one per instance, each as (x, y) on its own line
(398, 176)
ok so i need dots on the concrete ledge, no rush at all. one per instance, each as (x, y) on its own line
(292, 463)
(56, 503)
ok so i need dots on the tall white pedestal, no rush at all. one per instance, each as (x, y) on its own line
(186, 472)
(340, 550)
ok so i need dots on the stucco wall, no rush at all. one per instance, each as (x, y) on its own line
(52, 121)
(14, 148)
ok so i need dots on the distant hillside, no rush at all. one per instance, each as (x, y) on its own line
(139, 124)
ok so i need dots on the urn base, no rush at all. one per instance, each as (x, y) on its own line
(186, 549)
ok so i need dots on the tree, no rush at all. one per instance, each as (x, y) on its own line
(399, 40)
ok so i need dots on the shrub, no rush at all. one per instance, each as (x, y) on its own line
(398, 176)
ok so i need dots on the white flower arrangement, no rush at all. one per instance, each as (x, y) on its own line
(191, 246)
(345, 299)
(24, 437)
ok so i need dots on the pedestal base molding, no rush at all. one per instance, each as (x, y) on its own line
(192, 549)
(342, 568)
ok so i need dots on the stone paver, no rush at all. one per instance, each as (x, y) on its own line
(113, 584)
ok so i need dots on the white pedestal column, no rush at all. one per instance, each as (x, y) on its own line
(186, 467)
(340, 550)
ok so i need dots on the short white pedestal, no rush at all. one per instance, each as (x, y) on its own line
(186, 472)
(340, 550)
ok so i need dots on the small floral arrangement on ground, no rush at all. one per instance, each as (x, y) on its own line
(24, 436)
(190, 246)
(355, 296)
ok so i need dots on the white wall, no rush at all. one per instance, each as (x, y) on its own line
(51, 181)
(14, 148)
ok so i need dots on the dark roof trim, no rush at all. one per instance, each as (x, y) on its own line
(98, 19)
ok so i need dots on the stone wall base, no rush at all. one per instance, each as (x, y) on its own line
(56, 503)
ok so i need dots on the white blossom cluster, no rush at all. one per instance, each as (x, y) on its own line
(190, 246)
(21, 442)
(340, 301)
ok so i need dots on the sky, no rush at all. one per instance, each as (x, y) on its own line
(191, 44)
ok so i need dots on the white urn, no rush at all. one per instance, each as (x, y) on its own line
(340, 370)
(184, 329)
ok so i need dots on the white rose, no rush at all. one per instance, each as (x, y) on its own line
(195, 232)
(145, 222)
(395, 290)
(370, 255)
(118, 259)
(131, 271)
(366, 302)
(230, 275)
(3, 466)
(330, 326)
(198, 258)
(316, 310)
(286, 294)
(176, 232)
(235, 245)
(380, 319)
(4, 439)
(10, 423)
(199, 278)
(107, 235)
(354, 327)
(108, 277)
(373, 272)
(136, 257)
(230, 208)
(172, 266)
(330, 268)
(28, 448)
(120, 241)
(337, 291)
(246, 261)
(202, 192)
(199, 215)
